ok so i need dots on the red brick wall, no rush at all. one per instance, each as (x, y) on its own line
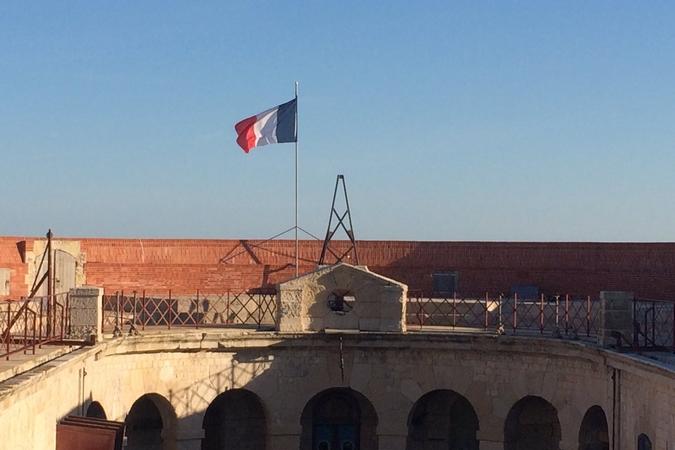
(217, 265)
(10, 258)
(579, 268)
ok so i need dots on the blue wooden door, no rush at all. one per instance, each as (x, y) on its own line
(336, 437)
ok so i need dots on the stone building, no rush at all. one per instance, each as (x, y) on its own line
(342, 368)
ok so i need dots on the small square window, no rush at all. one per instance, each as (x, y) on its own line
(445, 282)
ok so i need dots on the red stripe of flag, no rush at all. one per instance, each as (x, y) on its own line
(245, 135)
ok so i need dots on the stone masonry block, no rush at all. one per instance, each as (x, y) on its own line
(616, 316)
(86, 313)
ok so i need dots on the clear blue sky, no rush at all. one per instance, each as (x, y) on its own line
(450, 120)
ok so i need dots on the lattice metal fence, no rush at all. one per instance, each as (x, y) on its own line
(654, 324)
(135, 312)
(559, 315)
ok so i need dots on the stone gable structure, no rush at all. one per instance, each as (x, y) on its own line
(342, 297)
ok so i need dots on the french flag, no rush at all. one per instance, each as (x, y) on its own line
(274, 126)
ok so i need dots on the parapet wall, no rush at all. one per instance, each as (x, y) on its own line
(186, 265)
(189, 369)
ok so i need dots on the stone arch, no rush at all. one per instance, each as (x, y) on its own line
(235, 420)
(339, 419)
(95, 410)
(442, 419)
(643, 442)
(151, 424)
(594, 432)
(532, 424)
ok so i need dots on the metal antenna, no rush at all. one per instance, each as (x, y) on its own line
(348, 228)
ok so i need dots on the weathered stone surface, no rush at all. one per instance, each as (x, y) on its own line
(86, 313)
(379, 303)
(616, 315)
(392, 371)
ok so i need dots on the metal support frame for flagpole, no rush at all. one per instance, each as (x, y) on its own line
(330, 232)
(296, 180)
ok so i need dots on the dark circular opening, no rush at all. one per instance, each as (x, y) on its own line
(341, 301)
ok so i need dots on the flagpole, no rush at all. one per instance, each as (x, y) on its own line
(296, 179)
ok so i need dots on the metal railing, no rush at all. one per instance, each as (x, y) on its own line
(256, 308)
(29, 323)
(653, 324)
(563, 315)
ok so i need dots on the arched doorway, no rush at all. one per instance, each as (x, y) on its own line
(235, 420)
(532, 424)
(339, 419)
(594, 433)
(150, 424)
(65, 273)
(644, 443)
(96, 411)
(442, 419)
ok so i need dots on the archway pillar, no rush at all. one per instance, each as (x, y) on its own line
(392, 441)
(189, 439)
(283, 441)
(490, 445)
(283, 434)
(490, 439)
(569, 441)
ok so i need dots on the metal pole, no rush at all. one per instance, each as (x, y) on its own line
(613, 409)
(117, 312)
(67, 313)
(486, 311)
(7, 333)
(121, 311)
(133, 315)
(567, 313)
(515, 312)
(296, 180)
(500, 311)
(654, 323)
(25, 329)
(227, 307)
(196, 319)
(49, 283)
(170, 309)
(42, 300)
(34, 331)
(541, 315)
(144, 316)
(588, 315)
(54, 302)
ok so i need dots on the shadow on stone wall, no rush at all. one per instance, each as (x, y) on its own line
(227, 406)
(245, 400)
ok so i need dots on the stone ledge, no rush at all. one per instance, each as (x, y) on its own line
(15, 367)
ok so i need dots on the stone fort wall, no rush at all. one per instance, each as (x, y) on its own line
(213, 266)
(189, 369)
